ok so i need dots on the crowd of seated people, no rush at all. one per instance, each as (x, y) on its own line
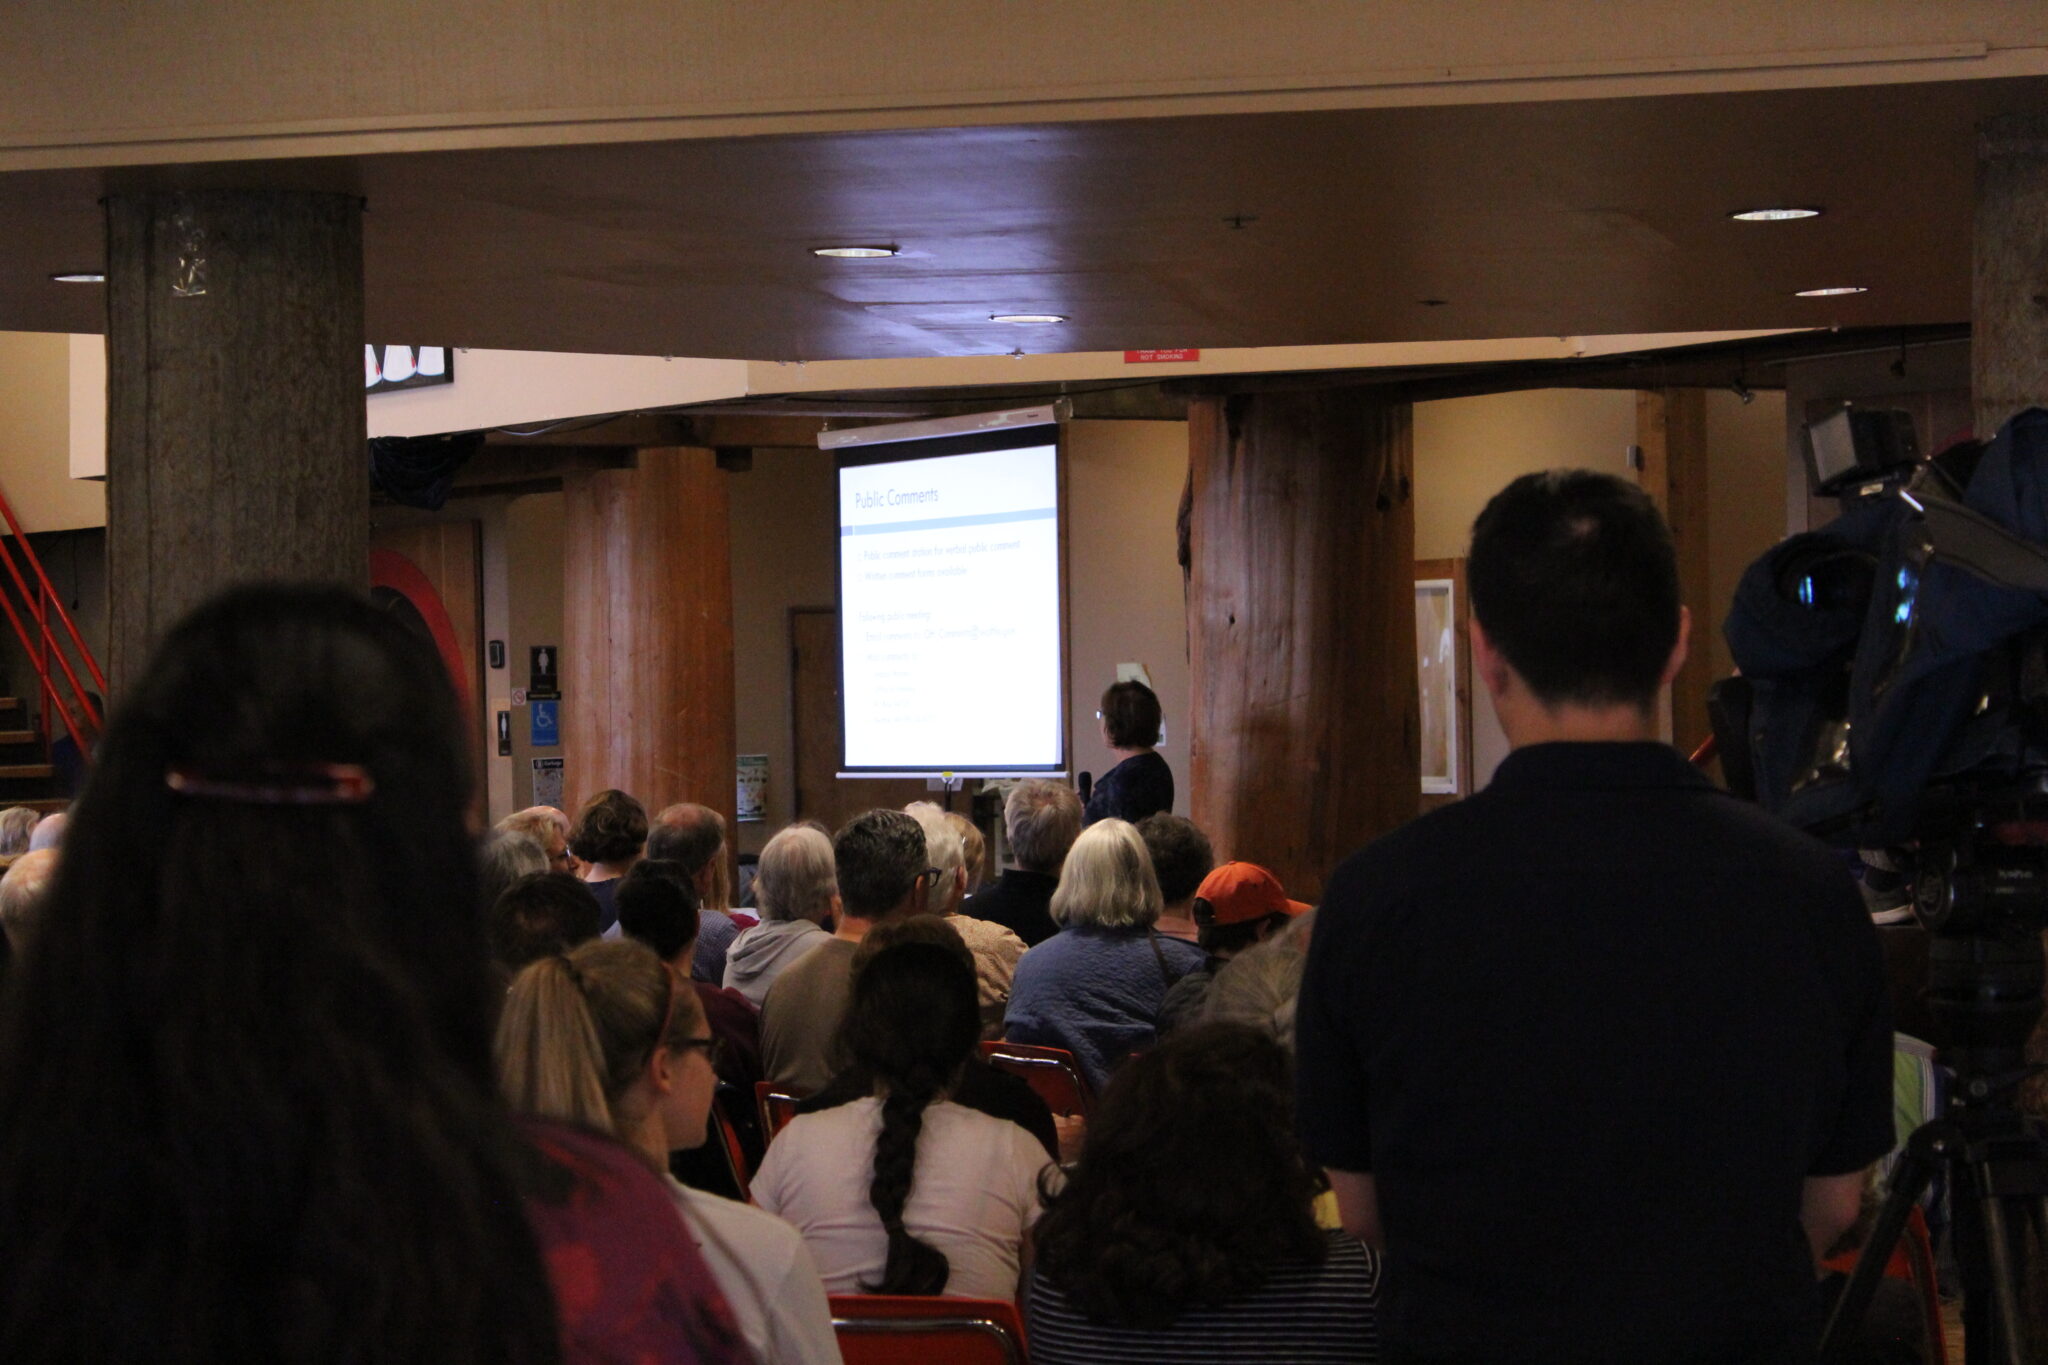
(281, 1098)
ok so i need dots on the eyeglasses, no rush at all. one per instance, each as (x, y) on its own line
(712, 1048)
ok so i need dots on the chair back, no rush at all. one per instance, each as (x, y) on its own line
(777, 1104)
(1051, 1071)
(727, 1137)
(888, 1329)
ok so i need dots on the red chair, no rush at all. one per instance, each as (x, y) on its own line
(1913, 1261)
(777, 1104)
(728, 1137)
(1051, 1071)
(886, 1329)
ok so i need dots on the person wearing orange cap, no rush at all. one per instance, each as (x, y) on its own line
(1236, 906)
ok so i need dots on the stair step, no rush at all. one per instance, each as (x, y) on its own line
(26, 770)
(18, 737)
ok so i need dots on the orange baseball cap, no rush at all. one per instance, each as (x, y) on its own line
(1239, 893)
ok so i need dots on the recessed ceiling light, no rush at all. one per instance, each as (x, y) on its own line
(1832, 290)
(81, 277)
(1773, 215)
(854, 253)
(1027, 317)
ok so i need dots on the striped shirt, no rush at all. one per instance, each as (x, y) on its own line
(1304, 1315)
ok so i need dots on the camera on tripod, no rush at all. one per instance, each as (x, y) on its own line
(1893, 699)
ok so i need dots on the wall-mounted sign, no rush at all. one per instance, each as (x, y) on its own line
(753, 788)
(547, 782)
(1177, 355)
(406, 367)
(504, 734)
(542, 675)
(545, 720)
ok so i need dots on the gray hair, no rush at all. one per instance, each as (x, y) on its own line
(943, 850)
(22, 892)
(1042, 820)
(49, 832)
(1261, 985)
(796, 878)
(16, 824)
(503, 858)
(534, 822)
(1107, 880)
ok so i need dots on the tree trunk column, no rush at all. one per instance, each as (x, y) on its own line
(2009, 281)
(1301, 621)
(235, 429)
(647, 668)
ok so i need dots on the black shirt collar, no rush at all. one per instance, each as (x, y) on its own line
(1597, 764)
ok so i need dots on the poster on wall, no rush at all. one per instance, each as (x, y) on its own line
(753, 788)
(547, 782)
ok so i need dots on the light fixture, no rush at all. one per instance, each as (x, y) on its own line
(1831, 291)
(80, 277)
(1773, 215)
(1027, 317)
(854, 253)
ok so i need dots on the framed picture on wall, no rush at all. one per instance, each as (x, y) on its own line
(1443, 659)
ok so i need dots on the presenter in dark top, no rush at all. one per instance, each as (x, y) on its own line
(1598, 1055)
(1141, 784)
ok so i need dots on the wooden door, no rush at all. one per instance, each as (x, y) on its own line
(821, 794)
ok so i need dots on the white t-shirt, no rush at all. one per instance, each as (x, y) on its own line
(766, 1275)
(973, 1195)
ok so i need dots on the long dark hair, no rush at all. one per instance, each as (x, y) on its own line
(246, 1064)
(911, 1025)
(1190, 1187)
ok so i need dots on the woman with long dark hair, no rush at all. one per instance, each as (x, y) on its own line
(246, 1066)
(1184, 1231)
(904, 1191)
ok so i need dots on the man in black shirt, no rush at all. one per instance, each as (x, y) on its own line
(1600, 1054)
(1041, 820)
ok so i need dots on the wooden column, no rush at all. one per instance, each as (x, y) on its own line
(646, 667)
(2009, 279)
(1671, 430)
(1301, 624)
(235, 440)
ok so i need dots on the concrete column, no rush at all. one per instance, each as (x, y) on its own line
(1301, 622)
(235, 441)
(2009, 277)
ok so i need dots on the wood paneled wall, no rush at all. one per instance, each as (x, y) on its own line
(1301, 617)
(2009, 279)
(1671, 428)
(647, 666)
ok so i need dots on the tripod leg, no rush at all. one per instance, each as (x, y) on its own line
(1917, 1164)
(2005, 1290)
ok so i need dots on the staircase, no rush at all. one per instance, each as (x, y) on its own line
(67, 708)
(27, 777)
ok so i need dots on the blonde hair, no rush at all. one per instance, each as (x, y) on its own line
(16, 824)
(973, 847)
(22, 891)
(796, 877)
(578, 1028)
(1107, 880)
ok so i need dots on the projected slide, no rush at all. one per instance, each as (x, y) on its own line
(950, 610)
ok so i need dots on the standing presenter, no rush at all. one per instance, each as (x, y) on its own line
(1140, 784)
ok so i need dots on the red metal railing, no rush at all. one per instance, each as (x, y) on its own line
(42, 643)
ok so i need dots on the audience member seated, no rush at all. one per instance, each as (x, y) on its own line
(904, 1191)
(1141, 784)
(49, 831)
(610, 1037)
(973, 848)
(503, 859)
(1041, 820)
(1095, 987)
(610, 833)
(547, 827)
(980, 1086)
(17, 823)
(1181, 858)
(1238, 905)
(247, 1070)
(658, 906)
(1260, 985)
(694, 836)
(1184, 1234)
(542, 913)
(995, 948)
(23, 889)
(798, 895)
(879, 862)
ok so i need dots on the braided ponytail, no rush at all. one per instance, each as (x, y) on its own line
(912, 1024)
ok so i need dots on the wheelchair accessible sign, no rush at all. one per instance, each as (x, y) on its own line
(545, 721)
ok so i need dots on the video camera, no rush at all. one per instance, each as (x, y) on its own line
(1893, 698)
